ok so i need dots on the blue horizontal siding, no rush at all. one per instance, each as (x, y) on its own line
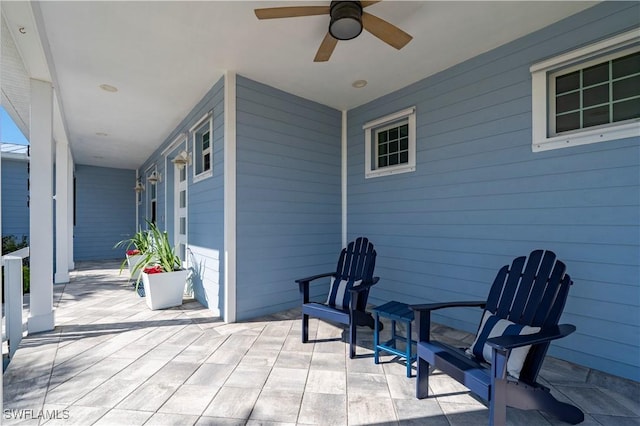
(105, 211)
(15, 198)
(288, 196)
(480, 196)
(205, 202)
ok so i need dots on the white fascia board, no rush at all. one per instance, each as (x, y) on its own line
(21, 16)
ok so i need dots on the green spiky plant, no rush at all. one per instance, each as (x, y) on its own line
(160, 253)
(140, 241)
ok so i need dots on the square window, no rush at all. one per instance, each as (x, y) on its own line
(588, 95)
(390, 144)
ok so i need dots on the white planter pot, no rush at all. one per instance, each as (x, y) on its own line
(164, 290)
(132, 261)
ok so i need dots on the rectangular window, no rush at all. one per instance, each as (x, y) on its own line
(588, 95)
(154, 211)
(153, 196)
(390, 144)
(203, 149)
(604, 93)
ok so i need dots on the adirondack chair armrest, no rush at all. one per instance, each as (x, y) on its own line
(314, 277)
(303, 284)
(423, 314)
(355, 292)
(434, 306)
(364, 286)
(504, 343)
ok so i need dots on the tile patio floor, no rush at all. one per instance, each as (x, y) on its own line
(112, 361)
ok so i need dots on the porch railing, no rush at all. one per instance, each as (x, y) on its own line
(13, 298)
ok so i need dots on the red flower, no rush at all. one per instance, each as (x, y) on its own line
(133, 252)
(153, 270)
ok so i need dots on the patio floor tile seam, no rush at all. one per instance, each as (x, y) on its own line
(271, 367)
(144, 382)
(51, 367)
(79, 397)
(97, 360)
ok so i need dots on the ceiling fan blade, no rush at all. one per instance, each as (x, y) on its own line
(291, 12)
(385, 31)
(326, 49)
(369, 3)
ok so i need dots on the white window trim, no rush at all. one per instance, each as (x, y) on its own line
(200, 123)
(541, 141)
(371, 126)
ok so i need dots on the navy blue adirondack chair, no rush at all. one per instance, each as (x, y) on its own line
(349, 291)
(523, 309)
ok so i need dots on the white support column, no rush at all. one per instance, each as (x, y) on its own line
(344, 175)
(62, 212)
(41, 316)
(230, 197)
(71, 265)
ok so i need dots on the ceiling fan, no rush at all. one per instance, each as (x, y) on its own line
(347, 21)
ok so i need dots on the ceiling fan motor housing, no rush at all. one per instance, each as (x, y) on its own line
(346, 19)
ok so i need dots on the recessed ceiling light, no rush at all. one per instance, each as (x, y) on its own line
(359, 84)
(108, 88)
(102, 134)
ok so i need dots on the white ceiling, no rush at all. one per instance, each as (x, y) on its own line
(164, 56)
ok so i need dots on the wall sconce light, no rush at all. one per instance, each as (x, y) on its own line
(154, 177)
(139, 187)
(182, 159)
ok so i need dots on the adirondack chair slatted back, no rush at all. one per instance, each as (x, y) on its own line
(357, 262)
(533, 294)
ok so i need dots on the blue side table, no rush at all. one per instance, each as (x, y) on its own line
(395, 311)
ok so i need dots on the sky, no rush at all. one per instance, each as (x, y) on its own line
(9, 132)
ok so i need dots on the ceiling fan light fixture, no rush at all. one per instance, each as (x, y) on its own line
(346, 20)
